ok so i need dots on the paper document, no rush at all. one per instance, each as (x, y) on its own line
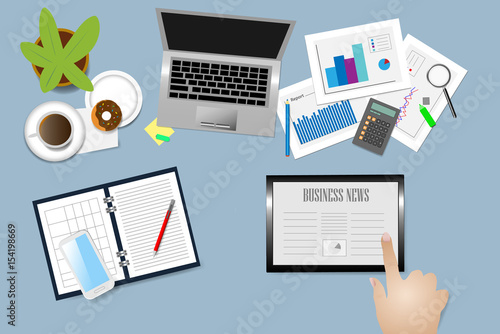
(411, 128)
(334, 223)
(314, 127)
(357, 62)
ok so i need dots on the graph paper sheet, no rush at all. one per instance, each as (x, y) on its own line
(64, 217)
(314, 127)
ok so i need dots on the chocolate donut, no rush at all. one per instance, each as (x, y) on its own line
(106, 115)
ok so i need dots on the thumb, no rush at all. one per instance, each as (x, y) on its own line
(378, 291)
(443, 295)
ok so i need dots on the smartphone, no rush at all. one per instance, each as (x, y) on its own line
(86, 264)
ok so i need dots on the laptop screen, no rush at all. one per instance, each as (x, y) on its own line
(228, 36)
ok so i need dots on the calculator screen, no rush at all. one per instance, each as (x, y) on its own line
(383, 110)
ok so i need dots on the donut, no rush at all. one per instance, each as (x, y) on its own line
(106, 115)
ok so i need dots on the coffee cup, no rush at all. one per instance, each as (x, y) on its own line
(54, 129)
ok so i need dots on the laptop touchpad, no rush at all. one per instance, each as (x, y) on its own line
(220, 118)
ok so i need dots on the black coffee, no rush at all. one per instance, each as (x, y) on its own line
(55, 129)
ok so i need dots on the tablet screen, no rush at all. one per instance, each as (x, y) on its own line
(333, 222)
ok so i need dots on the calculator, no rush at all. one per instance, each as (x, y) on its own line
(376, 126)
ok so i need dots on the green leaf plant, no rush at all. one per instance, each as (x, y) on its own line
(57, 60)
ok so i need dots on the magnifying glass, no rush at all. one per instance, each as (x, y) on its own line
(439, 76)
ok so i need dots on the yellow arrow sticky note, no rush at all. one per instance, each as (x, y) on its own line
(153, 129)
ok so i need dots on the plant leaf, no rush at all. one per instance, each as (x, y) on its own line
(76, 76)
(49, 34)
(36, 55)
(50, 77)
(82, 42)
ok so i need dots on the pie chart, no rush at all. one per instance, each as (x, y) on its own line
(334, 248)
(384, 64)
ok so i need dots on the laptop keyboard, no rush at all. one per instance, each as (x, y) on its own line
(230, 83)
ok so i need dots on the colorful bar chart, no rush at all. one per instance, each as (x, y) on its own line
(325, 121)
(348, 71)
(359, 60)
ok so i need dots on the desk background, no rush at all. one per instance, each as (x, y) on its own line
(452, 186)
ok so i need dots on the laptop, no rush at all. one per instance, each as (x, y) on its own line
(220, 72)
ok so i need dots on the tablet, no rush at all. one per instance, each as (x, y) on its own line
(333, 223)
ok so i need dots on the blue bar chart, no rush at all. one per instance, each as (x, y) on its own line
(324, 121)
(348, 70)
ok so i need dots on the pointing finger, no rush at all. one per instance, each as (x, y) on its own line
(390, 262)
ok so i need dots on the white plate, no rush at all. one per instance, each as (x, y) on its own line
(119, 87)
(35, 144)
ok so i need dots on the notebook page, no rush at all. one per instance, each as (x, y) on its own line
(66, 216)
(141, 208)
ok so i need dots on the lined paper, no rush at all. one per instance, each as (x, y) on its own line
(335, 228)
(141, 208)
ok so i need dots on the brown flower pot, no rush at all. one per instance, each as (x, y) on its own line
(82, 64)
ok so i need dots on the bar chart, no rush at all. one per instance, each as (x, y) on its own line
(345, 63)
(348, 70)
(324, 121)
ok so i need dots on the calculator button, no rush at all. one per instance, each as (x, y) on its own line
(374, 119)
(383, 135)
(360, 137)
(365, 139)
(378, 121)
(376, 127)
(369, 117)
(379, 133)
(367, 122)
(385, 130)
(381, 141)
(362, 132)
(387, 125)
(364, 127)
(371, 124)
(369, 141)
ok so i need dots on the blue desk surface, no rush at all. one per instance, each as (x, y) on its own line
(451, 184)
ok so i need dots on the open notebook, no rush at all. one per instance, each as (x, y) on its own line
(124, 219)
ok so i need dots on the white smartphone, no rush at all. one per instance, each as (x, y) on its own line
(86, 264)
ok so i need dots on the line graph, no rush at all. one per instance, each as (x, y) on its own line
(407, 98)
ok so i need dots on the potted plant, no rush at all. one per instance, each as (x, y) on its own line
(60, 57)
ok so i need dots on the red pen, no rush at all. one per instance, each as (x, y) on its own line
(167, 216)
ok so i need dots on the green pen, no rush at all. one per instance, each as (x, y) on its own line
(427, 116)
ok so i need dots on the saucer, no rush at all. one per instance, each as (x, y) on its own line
(35, 143)
(120, 88)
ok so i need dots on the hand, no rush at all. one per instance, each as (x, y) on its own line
(412, 305)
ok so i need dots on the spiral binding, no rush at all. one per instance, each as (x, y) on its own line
(111, 209)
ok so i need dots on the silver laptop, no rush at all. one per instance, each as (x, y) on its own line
(220, 73)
